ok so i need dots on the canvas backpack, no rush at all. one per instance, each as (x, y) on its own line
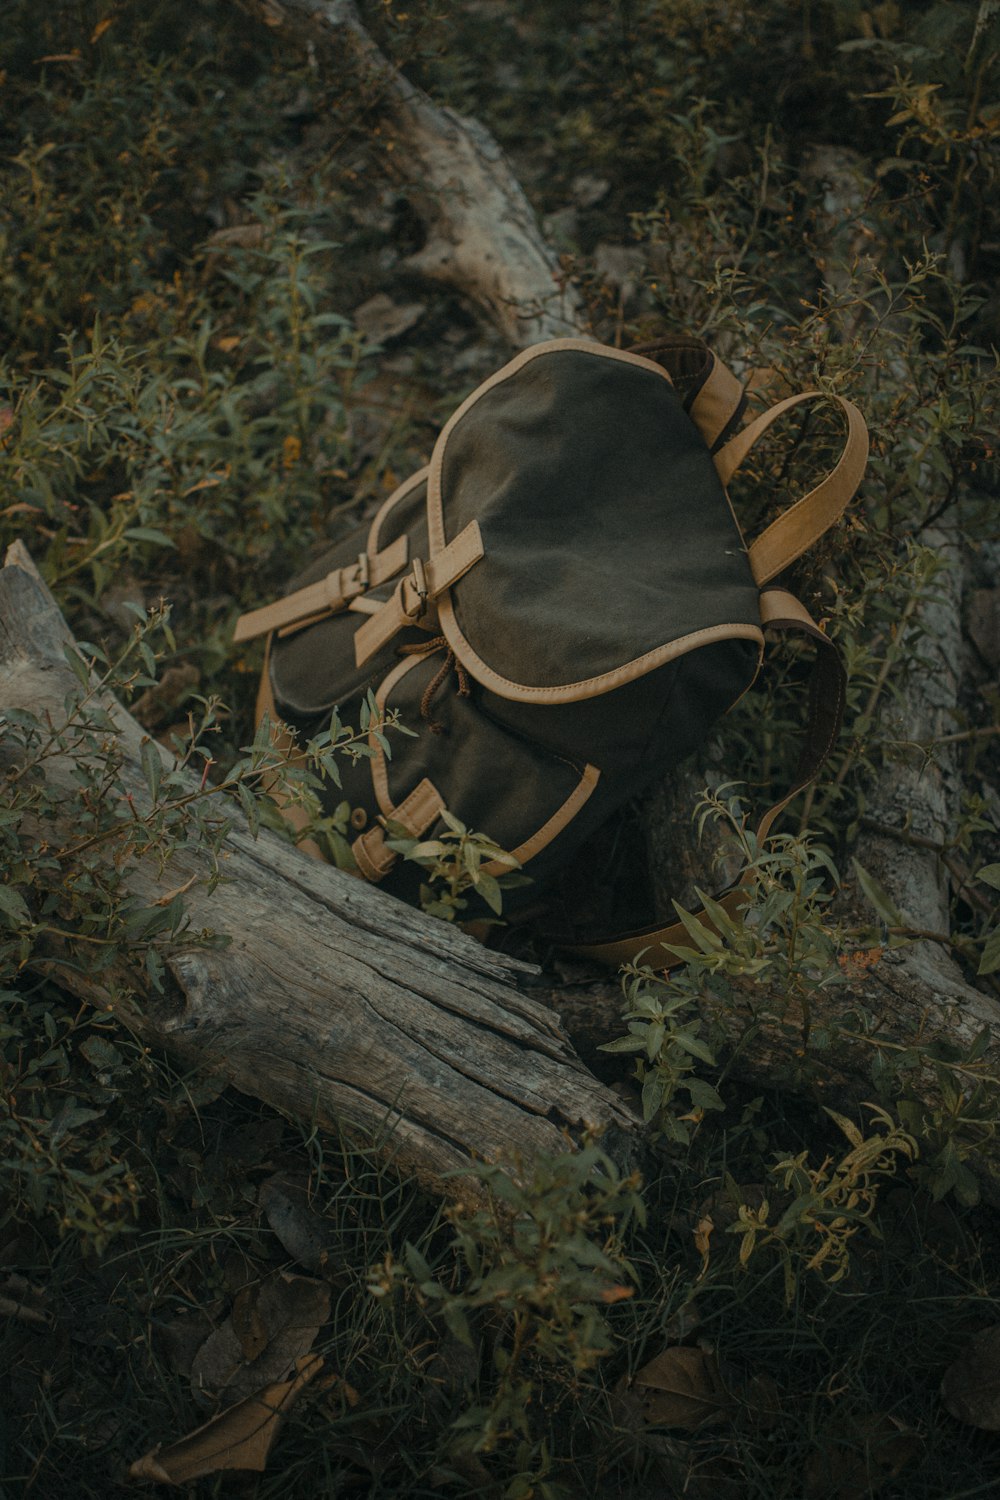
(561, 604)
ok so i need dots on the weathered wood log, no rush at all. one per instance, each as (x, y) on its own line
(331, 1001)
(483, 237)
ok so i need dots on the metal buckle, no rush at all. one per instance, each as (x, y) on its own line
(417, 583)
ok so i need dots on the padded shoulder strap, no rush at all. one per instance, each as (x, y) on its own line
(789, 536)
(781, 612)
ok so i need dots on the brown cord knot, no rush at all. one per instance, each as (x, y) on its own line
(451, 661)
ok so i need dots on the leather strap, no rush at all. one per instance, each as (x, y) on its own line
(713, 397)
(326, 597)
(416, 812)
(719, 402)
(796, 530)
(781, 612)
(414, 594)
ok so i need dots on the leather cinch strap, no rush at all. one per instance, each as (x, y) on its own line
(413, 595)
(780, 612)
(326, 597)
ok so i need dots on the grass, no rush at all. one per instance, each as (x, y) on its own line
(188, 415)
(109, 1373)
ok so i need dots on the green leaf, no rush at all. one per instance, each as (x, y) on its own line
(624, 1044)
(703, 937)
(250, 807)
(79, 667)
(489, 890)
(991, 874)
(879, 897)
(148, 534)
(694, 1046)
(12, 906)
(152, 765)
(703, 1095)
(101, 1054)
(847, 1126)
(990, 961)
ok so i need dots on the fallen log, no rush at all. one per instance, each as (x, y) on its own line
(330, 1001)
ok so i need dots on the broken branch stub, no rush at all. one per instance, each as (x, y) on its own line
(483, 238)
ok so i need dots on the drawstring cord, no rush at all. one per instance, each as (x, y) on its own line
(437, 682)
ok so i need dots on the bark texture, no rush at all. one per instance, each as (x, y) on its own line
(331, 1001)
(483, 238)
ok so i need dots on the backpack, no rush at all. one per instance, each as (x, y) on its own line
(561, 604)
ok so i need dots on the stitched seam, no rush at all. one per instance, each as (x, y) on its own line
(389, 505)
(560, 819)
(435, 510)
(588, 687)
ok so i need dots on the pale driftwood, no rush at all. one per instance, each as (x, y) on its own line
(483, 237)
(332, 1002)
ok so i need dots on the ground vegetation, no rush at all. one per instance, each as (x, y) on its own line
(224, 344)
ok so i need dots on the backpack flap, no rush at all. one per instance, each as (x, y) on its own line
(610, 547)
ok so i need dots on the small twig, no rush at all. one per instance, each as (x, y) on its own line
(11, 1309)
(964, 734)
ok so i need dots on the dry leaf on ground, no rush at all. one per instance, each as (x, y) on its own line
(381, 320)
(857, 1455)
(971, 1385)
(305, 1234)
(272, 1324)
(682, 1387)
(240, 1437)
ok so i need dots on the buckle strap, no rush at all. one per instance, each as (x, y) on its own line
(416, 812)
(414, 594)
(326, 597)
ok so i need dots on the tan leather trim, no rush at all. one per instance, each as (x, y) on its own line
(591, 687)
(805, 521)
(628, 947)
(420, 808)
(371, 856)
(283, 741)
(448, 566)
(559, 820)
(435, 517)
(389, 505)
(718, 401)
(416, 812)
(327, 596)
(413, 594)
(380, 775)
(588, 687)
(363, 606)
(779, 605)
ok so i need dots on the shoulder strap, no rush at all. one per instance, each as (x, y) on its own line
(711, 394)
(799, 526)
(780, 612)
